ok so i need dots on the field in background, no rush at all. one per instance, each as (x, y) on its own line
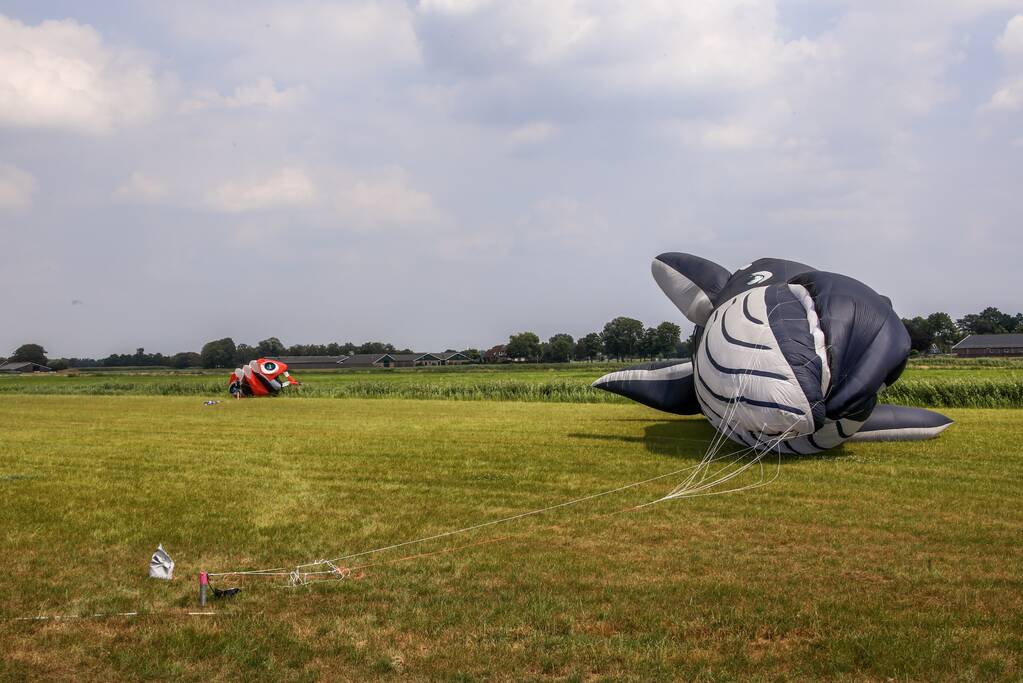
(882, 560)
(927, 382)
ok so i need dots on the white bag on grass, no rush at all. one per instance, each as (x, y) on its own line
(161, 566)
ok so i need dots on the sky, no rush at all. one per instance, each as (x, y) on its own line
(442, 173)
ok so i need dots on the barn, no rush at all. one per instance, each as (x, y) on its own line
(977, 345)
(17, 367)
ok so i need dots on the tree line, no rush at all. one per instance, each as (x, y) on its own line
(620, 338)
(939, 330)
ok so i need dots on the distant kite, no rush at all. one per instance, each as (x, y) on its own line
(788, 358)
(263, 377)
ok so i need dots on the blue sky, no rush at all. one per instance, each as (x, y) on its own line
(443, 173)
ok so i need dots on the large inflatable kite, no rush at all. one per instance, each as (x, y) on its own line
(789, 358)
(262, 377)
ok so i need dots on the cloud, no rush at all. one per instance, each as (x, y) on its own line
(59, 74)
(17, 187)
(261, 93)
(533, 133)
(1010, 43)
(1008, 97)
(564, 222)
(140, 187)
(334, 200)
(305, 40)
(384, 200)
(288, 187)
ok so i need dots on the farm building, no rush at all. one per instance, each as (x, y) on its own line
(403, 360)
(498, 354)
(373, 360)
(23, 366)
(299, 363)
(990, 345)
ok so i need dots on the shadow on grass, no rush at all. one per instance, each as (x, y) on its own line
(688, 439)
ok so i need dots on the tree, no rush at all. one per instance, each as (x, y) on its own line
(920, 335)
(243, 353)
(59, 364)
(218, 354)
(621, 337)
(30, 353)
(186, 359)
(524, 345)
(473, 355)
(271, 347)
(669, 336)
(588, 347)
(988, 321)
(946, 334)
(559, 348)
(648, 343)
(375, 347)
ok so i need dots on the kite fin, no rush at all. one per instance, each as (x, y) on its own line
(901, 423)
(690, 282)
(665, 385)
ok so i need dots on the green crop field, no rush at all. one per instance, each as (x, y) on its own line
(877, 562)
(938, 383)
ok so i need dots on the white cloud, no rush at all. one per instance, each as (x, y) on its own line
(533, 133)
(60, 74)
(565, 222)
(1008, 97)
(140, 187)
(17, 187)
(1010, 43)
(308, 40)
(383, 200)
(289, 187)
(631, 47)
(261, 93)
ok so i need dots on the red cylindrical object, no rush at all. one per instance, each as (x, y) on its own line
(204, 581)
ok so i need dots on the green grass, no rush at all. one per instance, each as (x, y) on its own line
(966, 384)
(881, 561)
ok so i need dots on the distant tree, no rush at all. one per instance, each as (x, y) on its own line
(218, 354)
(376, 347)
(588, 347)
(920, 335)
(524, 345)
(988, 321)
(187, 359)
(559, 348)
(669, 336)
(270, 347)
(621, 337)
(946, 334)
(30, 353)
(648, 343)
(473, 355)
(687, 348)
(59, 364)
(243, 353)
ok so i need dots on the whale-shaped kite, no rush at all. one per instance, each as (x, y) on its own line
(789, 358)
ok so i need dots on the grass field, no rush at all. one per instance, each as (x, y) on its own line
(877, 562)
(936, 383)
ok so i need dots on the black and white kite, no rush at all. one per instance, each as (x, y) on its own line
(789, 358)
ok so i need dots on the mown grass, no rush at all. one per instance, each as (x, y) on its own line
(880, 561)
(968, 384)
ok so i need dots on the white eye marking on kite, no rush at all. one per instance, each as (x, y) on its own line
(269, 367)
(759, 277)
